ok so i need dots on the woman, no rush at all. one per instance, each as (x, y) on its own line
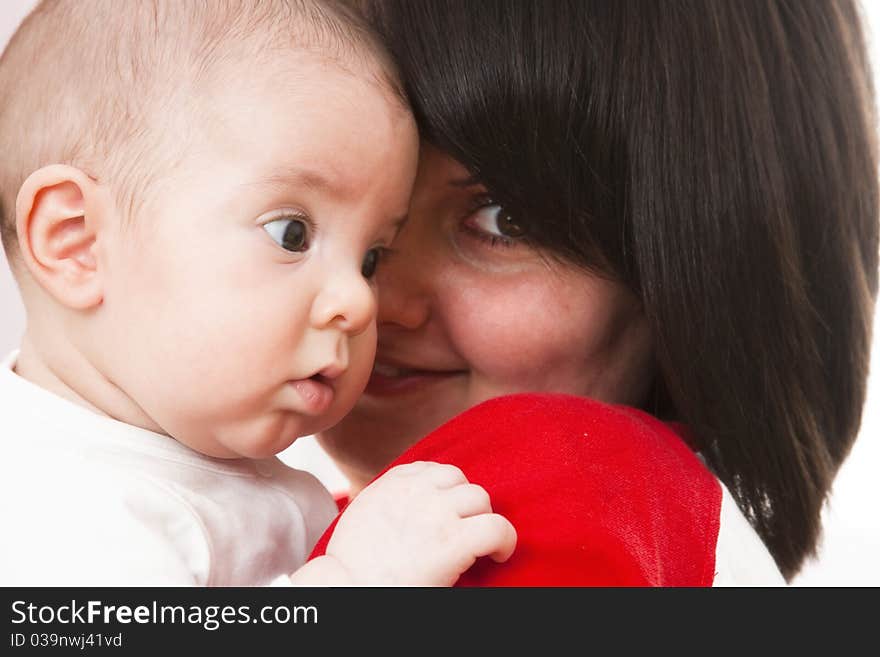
(667, 205)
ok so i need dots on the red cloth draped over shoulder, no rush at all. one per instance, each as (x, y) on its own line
(599, 494)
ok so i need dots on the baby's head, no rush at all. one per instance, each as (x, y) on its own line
(193, 199)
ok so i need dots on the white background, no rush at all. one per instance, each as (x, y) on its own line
(851, 546)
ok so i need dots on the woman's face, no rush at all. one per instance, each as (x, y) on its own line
(467, 313)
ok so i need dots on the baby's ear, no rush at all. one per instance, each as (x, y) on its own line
(58, 215)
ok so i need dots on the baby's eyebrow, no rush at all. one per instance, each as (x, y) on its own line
(295, 177)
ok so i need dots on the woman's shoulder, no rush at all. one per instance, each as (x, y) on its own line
(563, 432)
(600, 494)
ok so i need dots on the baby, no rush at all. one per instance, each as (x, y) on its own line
(195, 197)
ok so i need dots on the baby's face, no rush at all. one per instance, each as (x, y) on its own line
(240, 307)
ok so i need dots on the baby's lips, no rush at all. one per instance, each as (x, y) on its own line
(316, 395)
(333, 371)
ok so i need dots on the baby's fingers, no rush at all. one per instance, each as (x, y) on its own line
(439, 475)
(491, 535)
(444, 475)
(469, 500)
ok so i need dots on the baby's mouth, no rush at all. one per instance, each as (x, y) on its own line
(316, 394)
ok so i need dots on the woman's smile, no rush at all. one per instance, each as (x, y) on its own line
(390, 378)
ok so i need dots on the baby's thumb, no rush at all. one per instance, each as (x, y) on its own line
(492, 536)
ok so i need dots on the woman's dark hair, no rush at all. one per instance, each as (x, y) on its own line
(716, 157)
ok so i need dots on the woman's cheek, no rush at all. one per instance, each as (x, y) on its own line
(541, 330)
(515, 334)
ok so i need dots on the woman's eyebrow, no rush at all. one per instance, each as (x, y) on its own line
(468, 181)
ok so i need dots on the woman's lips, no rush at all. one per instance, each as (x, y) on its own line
(315, 393)
(387, 380)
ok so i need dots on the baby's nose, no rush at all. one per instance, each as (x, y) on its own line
(347, 302)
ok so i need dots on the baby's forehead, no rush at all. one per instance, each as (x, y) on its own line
(124, 95)
(320, 137)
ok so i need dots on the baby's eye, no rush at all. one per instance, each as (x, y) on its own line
(495, 220)
(289, 233)
(371, 261)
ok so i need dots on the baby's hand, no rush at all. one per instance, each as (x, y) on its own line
(420, 524)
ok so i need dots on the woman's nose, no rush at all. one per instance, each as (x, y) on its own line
(404, 280)
(346, 301)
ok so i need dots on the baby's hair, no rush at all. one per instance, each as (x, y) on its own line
(101, 85)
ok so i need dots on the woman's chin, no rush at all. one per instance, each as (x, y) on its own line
(380, 428)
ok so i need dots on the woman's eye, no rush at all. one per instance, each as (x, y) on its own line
(290, 234)
(371, 261)
(495, 220)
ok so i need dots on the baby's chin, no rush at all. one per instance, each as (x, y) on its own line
(258, 438)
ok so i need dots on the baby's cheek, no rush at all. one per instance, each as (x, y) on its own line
(362, 354)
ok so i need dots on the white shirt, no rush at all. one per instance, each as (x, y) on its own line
(86, 500)
(741, 558)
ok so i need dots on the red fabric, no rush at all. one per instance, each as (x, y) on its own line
(600, 495)
(341, 502)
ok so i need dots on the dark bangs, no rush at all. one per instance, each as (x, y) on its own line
(537, 122)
